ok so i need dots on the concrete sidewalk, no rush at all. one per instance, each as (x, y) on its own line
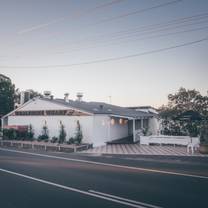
(137, 149)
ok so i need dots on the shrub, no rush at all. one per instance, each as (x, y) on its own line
(78, 135)
(30, 132)
(70, 141)
(54, 139)
(62, 134)
(9, 134)
(44, 135)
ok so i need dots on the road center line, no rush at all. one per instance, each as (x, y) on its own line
(74, 189)
(108, 164)
(124, 199)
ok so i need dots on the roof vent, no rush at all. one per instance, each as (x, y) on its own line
(66, 97)
(47, 94)
(101, 107)
(79, 96)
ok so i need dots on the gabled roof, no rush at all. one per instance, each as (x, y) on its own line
(101, 108)
(94, 108)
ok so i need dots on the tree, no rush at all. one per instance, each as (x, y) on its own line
(62, 133)
(78, 135)
(184, 113)
(28, 94)
(7, 94)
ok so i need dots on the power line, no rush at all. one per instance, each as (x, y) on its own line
(128, 38)
(77, 15)
(130, 13)
(137, 39)
(137, 12)
(151, 28)
(115, 58)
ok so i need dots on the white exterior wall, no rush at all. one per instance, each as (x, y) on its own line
(97, 129)
(53, 123)
(153, 126)
(104, 131)
(118, 131)
(100, 129)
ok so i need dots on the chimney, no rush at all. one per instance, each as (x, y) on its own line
(79, 96)
(66, 97)
(22, 98)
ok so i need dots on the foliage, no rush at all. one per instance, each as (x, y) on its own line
(71, 140)
(78, 135)
(7, 93)
(145, 131)
(54, 139)
(14, 134)
(45, 133)
(1, 134)
(28, 95)
(62, 133)
(9, 134)
(184, 113)
(204, 133)
(30, 132)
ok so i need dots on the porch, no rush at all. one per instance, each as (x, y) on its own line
(131, 128)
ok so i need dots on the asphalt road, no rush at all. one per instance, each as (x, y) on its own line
(34, 179)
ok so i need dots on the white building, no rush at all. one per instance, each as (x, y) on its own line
(100, 122)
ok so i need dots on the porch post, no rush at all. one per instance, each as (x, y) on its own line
(2, 124)
(109, 126)
(134, 134)
(142, 123)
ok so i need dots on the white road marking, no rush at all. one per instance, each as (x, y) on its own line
(108, 164)
(124, 199)
(74, 189)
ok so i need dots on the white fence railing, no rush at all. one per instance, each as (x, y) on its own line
(172, 140)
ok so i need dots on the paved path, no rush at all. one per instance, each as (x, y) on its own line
(136, 149)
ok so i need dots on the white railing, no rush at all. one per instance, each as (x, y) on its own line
(172, 140)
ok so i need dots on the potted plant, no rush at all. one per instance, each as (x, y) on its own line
(203, 148)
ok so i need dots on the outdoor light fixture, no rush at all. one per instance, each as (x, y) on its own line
(112, 121)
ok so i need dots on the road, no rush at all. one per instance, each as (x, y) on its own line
(31, 179)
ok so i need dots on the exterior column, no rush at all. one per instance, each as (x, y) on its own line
(2, 124)
(142, 123)
(134, 133)
(109, 126)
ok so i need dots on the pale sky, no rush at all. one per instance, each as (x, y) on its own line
(38, 37)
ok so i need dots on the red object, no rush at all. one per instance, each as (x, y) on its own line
(16, 127)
